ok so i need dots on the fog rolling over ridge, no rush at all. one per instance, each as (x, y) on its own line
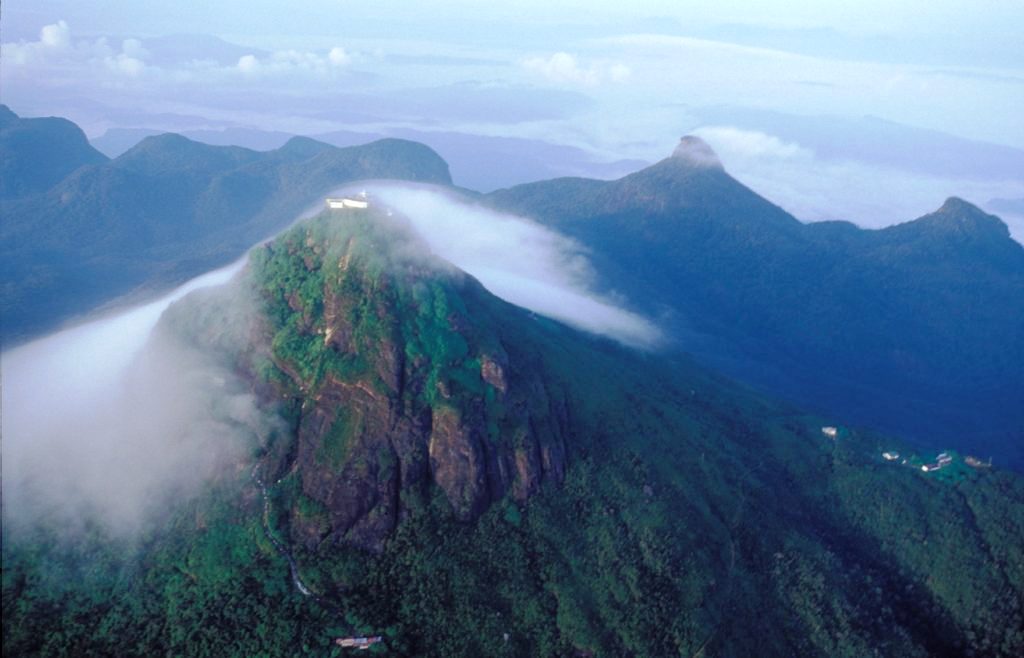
(516, 259)
(110, 421)
(114, 419)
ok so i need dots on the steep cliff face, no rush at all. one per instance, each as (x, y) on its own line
(402, 382)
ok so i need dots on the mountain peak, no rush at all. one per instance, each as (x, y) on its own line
(956, 205)
(966, 217)
(7, 116)
(173, 152)
(960, 220)
(695, 151)
(38, 152)
(305, 147)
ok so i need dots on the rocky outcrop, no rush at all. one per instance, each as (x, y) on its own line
(401, 399)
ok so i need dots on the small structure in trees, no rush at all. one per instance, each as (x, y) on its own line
(360, 643)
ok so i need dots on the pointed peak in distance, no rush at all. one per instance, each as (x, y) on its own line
(956, 205)
(961, 216)
(957, 223)
(696, 152)
(7, 116)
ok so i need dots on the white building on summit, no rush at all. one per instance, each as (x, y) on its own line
(346, 202)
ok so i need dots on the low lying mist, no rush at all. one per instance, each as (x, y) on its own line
(110, 421)
(516, 259)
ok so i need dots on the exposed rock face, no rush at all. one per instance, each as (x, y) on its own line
(458, 463)
(415, 390)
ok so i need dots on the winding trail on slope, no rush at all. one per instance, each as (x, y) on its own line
(281, 548)
(292, 565)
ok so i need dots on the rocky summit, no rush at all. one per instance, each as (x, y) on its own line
(403, 384)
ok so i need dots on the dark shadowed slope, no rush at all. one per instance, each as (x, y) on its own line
(917, 328)
(167, 210)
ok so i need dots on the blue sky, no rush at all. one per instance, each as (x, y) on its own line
(619, 80)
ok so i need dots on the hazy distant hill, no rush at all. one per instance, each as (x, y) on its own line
(477, 162)
(465, 478)
(164, 211)
(917, 328)
(37, 153)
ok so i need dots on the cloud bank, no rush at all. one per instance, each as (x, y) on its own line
(110, 422)
(58, 51)
(518, 260)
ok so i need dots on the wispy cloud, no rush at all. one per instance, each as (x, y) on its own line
(110, 421)
(57, 48)
(291, 62)
(562, 67)
(751, 144)
(518, 260)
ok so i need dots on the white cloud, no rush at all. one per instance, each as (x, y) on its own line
(248, 63)
(126, 65)
(518, 260)
(562, 67)
(56, 47)
(54, 39)
(110, 421)
(57, 35)
(58, 51)
(295, 62)
(338, 57)
(738, 144)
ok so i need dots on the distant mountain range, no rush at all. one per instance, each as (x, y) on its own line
(80, 229)
(917, 328)
(478, 162)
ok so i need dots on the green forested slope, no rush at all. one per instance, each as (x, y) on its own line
(687, 515)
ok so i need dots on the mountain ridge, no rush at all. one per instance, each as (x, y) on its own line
(36, 153)
(933, 304)
(166, 210)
